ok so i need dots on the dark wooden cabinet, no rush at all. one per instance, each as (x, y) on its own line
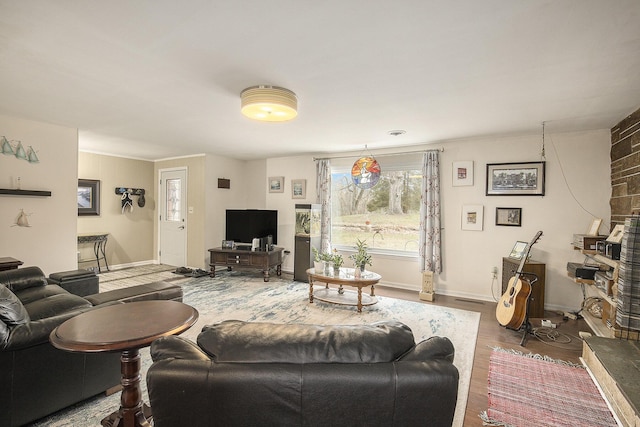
(259, 260)
(509, 267)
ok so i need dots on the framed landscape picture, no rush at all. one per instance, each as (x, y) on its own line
(88, 197)
(298, 188)
(515, 179)
(276, 184)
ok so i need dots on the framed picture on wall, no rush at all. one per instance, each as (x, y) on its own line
(88, 197)
(298, 188)
(472, 217)
(515, 179)
(462, 173)
(509, 217)
(276, 184)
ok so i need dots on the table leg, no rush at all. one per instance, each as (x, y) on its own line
(212, 271)
(133, 412)
(359, 299)
(310, 289)
(265, 274)
(279, 270)
(373, 290)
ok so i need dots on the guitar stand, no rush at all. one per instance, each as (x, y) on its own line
(528, 328)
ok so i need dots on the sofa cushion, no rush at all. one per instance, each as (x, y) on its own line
(12, 312)
(238, 341)
(29, 295)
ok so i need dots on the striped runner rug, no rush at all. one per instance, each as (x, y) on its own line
(527, 390)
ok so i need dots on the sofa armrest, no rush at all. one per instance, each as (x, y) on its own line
(37, 331)
(177, 348)
(429, 349)
(23, 278)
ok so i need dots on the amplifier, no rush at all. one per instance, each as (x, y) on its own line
(609, 249)
(582, 271)
(587, 242)
(604, 282)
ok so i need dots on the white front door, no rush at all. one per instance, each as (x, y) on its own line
(173, 213)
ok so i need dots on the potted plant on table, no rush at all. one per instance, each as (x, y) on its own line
(337, 262)
(321, 261)
(361, 257)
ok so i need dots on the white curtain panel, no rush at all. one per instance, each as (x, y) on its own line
(429, 249)
(323, 197)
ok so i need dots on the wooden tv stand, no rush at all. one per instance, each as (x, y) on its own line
(260, 260)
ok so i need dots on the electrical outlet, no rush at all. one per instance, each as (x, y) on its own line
(494, 272)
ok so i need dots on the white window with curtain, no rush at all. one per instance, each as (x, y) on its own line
(386, 216)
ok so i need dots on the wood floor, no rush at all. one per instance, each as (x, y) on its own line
(491, 334)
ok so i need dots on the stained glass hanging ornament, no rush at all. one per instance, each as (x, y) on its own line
(7, 148)
(365, 172)
(20, 153)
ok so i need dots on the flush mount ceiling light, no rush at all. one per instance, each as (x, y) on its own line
(269, 103)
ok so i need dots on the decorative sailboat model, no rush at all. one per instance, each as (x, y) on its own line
(19, 151)
(23, 219)
(31, 155)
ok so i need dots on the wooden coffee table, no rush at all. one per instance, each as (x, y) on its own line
(125, 328)
(339, 296)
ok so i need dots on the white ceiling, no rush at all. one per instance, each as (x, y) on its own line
(153, 79)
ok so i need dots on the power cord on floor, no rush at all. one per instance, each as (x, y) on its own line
(553, 338)
(493, 283)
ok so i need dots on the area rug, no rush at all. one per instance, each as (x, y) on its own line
(234, 295)
(527, 390)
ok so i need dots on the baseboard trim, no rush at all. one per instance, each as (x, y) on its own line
(131, 264)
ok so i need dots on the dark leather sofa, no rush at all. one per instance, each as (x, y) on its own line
(37, 379)
(249, 374)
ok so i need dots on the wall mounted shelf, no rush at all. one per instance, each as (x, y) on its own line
(38, 193)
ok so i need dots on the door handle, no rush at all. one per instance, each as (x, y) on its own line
(181, 227)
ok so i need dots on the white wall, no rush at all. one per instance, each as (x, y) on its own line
(468, 256)
(302, 167)
(130, 239)
(50, 242)
(218, 200)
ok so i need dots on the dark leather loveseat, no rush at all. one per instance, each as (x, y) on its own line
(35, 378)
(250, 374)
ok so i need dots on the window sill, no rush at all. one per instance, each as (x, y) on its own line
(380, 253)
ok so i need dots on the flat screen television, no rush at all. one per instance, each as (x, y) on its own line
(243, 225)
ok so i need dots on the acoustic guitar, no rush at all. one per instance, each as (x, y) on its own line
(512, 307)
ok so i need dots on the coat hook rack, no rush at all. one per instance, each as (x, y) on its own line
(121, 191)
(132, 191)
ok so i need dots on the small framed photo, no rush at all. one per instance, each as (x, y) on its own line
(515, 179)
(509, 217)
(227, 244)
(518, 250)
(276, 184)
(298, 188)
(472, 217)
(462, 173)
(88, 197)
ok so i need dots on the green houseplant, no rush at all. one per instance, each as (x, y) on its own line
(321, 260)
(337, 262)
(361, 257)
